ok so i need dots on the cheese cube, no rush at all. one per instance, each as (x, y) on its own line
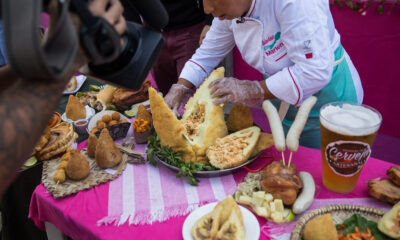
(268, 197)
(245, 200)
(277, 217)
(261, 211)
(265, 204)
(278, 205)
(258, 198)
(272, 207)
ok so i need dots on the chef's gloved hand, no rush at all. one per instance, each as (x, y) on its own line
(230, 89)
(174, 97)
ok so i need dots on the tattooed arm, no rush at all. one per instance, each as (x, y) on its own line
(26, 107)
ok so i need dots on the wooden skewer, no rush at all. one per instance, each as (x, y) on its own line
(283, 159)
(290, 157)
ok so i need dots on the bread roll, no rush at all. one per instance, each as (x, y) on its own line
(321, 228)
(75, 110)
(239, 118)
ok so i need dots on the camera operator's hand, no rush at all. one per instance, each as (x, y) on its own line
(110, 10)
(113, 13)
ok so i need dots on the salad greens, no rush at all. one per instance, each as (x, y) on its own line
(186, 169)
(361, 222)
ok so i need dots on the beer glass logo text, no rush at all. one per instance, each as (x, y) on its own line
(346, 158)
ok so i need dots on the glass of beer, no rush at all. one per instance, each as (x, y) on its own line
(347, 133)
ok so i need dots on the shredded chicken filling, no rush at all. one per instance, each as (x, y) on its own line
(230, 148)
(192, 123)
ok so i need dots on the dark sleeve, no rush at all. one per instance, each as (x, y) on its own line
(209, 19)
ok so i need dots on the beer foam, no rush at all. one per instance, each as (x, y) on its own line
(350, 119)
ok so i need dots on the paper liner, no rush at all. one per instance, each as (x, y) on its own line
(96, 177)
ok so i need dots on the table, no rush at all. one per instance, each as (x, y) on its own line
(76, 215)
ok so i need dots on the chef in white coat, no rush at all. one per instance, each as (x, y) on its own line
(293, 43)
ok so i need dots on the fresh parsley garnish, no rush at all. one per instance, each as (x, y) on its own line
(186, 169)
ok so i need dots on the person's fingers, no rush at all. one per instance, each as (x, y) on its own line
(120, 26)
(98, 7)
(114, 12)
(223, 99)
(220, 92)
(215, 82)
(213, 89)
(168, 102)
(175, 109)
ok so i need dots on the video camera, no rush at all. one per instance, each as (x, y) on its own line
(126, 65)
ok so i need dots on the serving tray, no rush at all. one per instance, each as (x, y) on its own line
(213, 173)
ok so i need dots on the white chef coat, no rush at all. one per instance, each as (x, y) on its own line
(291, 41)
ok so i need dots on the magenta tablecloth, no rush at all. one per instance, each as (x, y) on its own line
(77, 215)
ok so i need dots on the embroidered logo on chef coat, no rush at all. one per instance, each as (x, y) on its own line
(274, 37)
(275, 47)
(307, 49)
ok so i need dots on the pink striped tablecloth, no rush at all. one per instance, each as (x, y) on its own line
(145, 194)
(78, 215)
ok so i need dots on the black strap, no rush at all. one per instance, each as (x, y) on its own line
(26, 54)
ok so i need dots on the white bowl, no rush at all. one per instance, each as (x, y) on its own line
(99, 115)
(89, 113)
(251, 225)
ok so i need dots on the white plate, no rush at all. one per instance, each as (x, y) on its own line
(79, 82)
(89, 113)
(99, 115)
(251, 225)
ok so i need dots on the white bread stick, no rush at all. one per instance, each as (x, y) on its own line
(275, 124)
(292, 138)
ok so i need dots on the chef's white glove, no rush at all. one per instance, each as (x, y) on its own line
(230, 89)
(174, 97)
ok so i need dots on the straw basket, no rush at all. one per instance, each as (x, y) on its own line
(339, 213)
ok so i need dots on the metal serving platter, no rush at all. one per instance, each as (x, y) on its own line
(214, 173)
